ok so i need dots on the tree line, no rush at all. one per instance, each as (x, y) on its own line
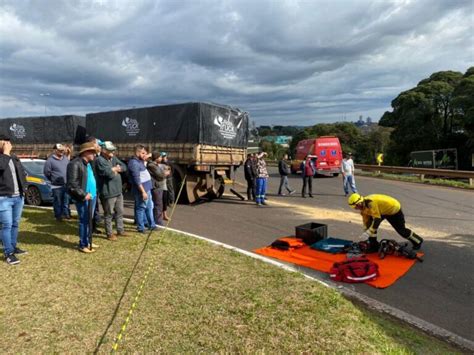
(436, 114)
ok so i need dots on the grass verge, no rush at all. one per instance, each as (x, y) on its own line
(416, 179)
(198, 298)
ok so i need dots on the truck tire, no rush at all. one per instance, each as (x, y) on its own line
(218, 189)
(178, 176)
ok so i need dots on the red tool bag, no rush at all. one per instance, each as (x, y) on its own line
(354, 270)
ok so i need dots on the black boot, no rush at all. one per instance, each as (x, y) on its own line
(373, 245)
(416, 240)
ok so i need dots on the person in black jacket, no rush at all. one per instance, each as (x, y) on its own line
(12, 192)
(169, 192)
(284, 171)
(159, 176)
(250, 168)
(82, 186)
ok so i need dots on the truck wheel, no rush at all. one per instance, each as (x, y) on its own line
(33, 196)
(218, 189)
(335, 174)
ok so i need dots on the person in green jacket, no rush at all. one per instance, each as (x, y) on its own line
(109, 181)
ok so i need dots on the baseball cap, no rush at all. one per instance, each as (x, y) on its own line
(59, 146)
(164, 154)
(108, 145)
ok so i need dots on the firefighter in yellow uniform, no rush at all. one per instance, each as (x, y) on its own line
(374, 209)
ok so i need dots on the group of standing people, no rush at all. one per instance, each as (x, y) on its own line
(97, 172)
(308, 171)
(94, 176)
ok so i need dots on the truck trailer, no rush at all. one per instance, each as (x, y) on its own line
(204, 142)
(34, 137)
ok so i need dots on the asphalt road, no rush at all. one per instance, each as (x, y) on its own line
(440, 290)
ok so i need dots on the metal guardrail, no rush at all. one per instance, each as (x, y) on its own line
(459, 174)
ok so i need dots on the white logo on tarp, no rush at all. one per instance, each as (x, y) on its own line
(18, 130)
(226, 127)
(131, 126)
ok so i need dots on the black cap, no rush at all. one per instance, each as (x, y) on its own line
(4, 137)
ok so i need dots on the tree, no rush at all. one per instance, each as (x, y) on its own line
(430, 116)
(274, 151)
(367, 146)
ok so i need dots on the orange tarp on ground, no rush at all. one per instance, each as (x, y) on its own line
(391, 268)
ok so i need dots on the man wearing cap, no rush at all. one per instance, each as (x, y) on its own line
(55, 170)
(12, 192)
(81, 185)
(109, 181)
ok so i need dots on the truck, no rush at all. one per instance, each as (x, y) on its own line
(328, 151)
(34, 137)
(435, 159)
(205, 142)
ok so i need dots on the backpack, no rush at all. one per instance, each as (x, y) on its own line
(288, 243)
(354, 270)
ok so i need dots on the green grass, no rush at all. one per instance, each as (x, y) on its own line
(197, 298)
(416, 179)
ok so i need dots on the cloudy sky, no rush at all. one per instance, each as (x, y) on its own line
(285, 62)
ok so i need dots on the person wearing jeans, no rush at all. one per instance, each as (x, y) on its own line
(347, 169)
(82, 187)
(12, 192)
(262, 176)
(108, 169)
(308, 170)
(55, 170)
(141, 188)
(284, 171)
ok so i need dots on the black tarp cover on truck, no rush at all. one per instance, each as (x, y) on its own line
(199, 123)
(44, 129)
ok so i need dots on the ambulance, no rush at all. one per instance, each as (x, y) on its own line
(328, 151)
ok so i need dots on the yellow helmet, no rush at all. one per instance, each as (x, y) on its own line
(354, 200)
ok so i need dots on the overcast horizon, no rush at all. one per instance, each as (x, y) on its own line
(285, 62)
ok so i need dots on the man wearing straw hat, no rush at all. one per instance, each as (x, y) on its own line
(81, 185)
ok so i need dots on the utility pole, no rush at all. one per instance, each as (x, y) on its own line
(45, 94)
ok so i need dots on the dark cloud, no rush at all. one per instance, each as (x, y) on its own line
(283, 61)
